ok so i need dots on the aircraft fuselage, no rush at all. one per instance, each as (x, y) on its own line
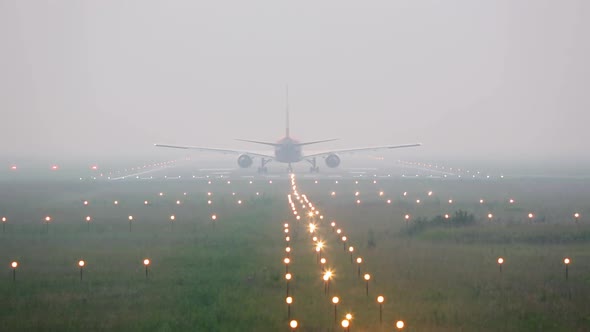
(288, 150)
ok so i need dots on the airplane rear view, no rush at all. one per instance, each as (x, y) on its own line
(288, 150)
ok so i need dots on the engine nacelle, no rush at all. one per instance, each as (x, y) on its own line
(332, 161)
(245, 161)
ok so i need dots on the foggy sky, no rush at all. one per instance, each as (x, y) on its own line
(469, 79)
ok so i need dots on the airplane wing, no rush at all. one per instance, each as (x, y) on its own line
(375, 148)
(224, 151)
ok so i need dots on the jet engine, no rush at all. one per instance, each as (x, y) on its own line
(244, 161)
(332, 160)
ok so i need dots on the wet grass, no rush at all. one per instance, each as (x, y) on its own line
(228, 276)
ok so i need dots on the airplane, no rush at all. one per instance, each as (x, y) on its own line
(288, 150)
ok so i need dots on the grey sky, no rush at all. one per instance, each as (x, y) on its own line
(469, 79)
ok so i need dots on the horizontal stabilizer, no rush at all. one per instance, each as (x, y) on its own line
(316, 142)
(257, 142)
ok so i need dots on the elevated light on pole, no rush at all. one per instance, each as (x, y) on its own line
(380, 300)
(14, 265)
(289, 300)
(288, 277)
(81, 264)
(327, 277)
(146, 263)
(335, 300)
(359, 260)
(345, 324)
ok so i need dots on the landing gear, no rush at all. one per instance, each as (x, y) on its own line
(313, 168)
(262, 169)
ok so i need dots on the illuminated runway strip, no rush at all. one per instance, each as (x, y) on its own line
(138, 174)
(315, 216)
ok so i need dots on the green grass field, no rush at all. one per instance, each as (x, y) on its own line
(228, 275)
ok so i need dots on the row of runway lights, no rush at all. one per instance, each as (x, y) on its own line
(81, 264)
(47, 220)
(438, 168)
(288, 276)
(576, 216)
(327, 274)
(94, 167)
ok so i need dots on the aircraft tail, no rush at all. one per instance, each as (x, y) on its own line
(287, 111)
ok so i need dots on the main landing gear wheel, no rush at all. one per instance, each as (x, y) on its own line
(262, 169)
(314, 168)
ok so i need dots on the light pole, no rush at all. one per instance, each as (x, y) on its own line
(335, 300)
(567, 262)
(359, 260)
(576, 217)
(81, 264)
(500, 262)
(380, 300)
(344, 238)
(289, 300)
(293, 324)
(351, 250)
(146, 262)
(46, 222)
(327, 276)
(14, 265)
(323, 263)
(346, 324)
(172, 218)
(288, 277)
(88, 219)
(287, 261)
(367, 278)
(130, 220)
(3, 223)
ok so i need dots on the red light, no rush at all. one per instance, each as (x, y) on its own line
(13, 167)
(94, 167)
(54, 167)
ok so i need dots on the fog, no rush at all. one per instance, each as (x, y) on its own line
(503, 81)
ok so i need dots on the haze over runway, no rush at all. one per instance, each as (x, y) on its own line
(499, 81)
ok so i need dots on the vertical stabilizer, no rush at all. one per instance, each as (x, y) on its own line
(287, 111)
